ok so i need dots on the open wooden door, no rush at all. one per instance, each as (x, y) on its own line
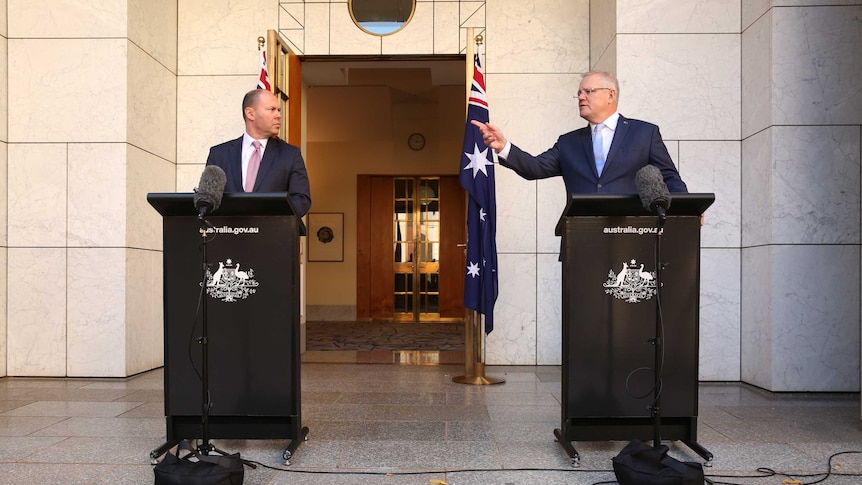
(285, 76)
(285, 71)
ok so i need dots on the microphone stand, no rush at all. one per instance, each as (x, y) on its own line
(655, 408)
(205, 447)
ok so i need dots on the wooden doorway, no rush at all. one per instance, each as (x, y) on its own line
(410, 254)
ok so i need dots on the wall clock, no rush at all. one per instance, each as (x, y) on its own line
(416, 141)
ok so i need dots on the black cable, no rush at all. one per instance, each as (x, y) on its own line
(769, 472)
(426, 472)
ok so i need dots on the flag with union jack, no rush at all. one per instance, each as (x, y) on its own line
(263, 78)
(477, 178)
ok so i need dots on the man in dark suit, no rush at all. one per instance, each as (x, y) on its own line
(258, 161)
(600, 158)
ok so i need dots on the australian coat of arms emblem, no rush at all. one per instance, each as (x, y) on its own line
(632, 283)
(229, 283)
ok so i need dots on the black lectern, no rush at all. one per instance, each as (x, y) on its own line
(252, 296)
(609, 319)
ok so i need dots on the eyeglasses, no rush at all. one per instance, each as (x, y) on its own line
(588, 91)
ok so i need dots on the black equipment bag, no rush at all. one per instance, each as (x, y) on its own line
(202, 470)
(641, 464)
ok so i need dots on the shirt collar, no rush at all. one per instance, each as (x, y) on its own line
(610, 122)
(247, 139)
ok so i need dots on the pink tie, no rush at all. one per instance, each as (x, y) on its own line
(253, 166)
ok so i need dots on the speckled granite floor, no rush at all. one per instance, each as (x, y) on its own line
(384, 336)
(415, 423)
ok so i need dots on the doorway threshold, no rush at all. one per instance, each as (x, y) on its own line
(398, 357)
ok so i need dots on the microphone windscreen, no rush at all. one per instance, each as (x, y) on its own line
(211, 187)
(651, 188)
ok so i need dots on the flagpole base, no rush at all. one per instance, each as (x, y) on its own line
(479, 379)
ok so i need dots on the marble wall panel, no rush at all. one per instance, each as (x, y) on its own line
(153, 28)
(188, 176)
(147, 173)
(144, 312)
(815, 78)
(757, 76)
(3, 25)
(756, 323)
(66, 18)
(516, 212)
(757, 189)
(608, 60)
(603, 28)
(551, 200)
(513, 341)
(538, 36)
(447, 32)
(674, 16)
(4, 212)
(4, 334)
(417, 37)
(37, 194)
(220, 38)
(78, 69)
(715, 166)
(36, 312)
(316, 33)
(549, 314)
(96, 203)
(664, 80)
(800, 327)
(152, 102)
(4, 88)
(812, 180)
(753, 10)
(95, 314)
(719, 314)
(209, 112)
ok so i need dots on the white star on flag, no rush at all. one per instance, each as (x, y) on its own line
(473, 269)
(481, 214)
(478, 161)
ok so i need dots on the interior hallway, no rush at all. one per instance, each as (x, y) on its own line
(413, 422)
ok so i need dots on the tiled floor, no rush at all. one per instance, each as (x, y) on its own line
(415, 423)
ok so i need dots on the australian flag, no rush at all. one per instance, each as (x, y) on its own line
(477, 178)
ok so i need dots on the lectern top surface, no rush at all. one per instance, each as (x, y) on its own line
(232, 204)
(630, 205)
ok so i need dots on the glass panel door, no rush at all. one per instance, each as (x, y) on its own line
(416, 216)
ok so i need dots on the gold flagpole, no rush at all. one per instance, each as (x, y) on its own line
(474, 334)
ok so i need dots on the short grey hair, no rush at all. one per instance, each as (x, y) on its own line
(608, 79)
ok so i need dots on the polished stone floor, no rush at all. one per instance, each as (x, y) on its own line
(337, 336)
(408, 424)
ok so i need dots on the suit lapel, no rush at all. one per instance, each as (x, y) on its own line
(235, 160)
(586, 138)
(266, 163)
(623, 126)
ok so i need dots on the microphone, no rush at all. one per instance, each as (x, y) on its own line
(652, 190)
(210, 189)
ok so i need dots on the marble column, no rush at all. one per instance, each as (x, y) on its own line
(4, 138)
(92, 130)
(802, 111)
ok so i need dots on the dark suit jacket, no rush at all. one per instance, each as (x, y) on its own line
(282, 169)
(636, 143)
